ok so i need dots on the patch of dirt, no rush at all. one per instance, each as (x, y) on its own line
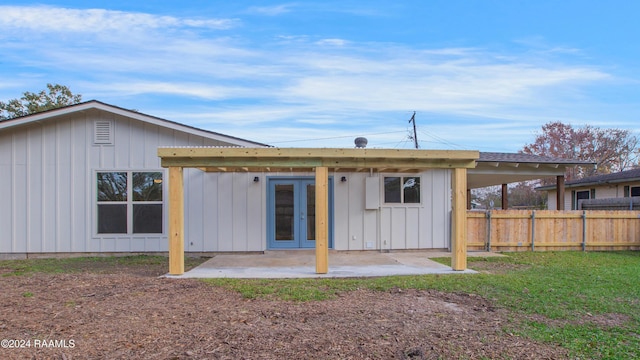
(127, 316)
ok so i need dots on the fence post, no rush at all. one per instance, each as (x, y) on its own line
(533, 230)
(584, 230)
(488, 230)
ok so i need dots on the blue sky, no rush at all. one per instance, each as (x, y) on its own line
(480, 74)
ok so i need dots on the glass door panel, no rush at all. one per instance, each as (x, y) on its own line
(310, 190)
(284, 212)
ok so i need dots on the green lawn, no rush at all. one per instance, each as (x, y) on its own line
(588, 303)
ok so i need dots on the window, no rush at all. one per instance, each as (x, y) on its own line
(582, 195)
(129, 202)
(631, 190)
(404, 190)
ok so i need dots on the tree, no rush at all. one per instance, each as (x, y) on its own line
(524, 194)
(31, 103)
(612, 150)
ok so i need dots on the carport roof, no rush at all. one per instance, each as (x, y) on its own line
(494, 168)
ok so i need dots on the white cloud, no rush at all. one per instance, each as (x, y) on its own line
(271, 10)
(332, 42)
(47, 19)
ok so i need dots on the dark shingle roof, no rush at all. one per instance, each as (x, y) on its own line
(613, 178)
(623, 176)
(527, 158)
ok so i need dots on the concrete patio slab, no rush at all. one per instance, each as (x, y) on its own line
(301, 264)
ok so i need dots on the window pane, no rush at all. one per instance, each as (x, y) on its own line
(635, 191)
(392, 189)
(411, 190)
(112, 186)
(147, 219)
(284, 212)
(311, 212)
(582, 195)
(147, 186)
(112, 219)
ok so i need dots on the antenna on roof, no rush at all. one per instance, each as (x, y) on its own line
(415, 135)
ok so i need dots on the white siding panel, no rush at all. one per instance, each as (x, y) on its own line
(64, 190)
(356, 187)
(225, 212)
(210, 213)
(134, 148)
(194, 209)
(239, 211)
(413, 228)
(439, 209)
(341, 209)
(385, 228)
(371, 229)
(151, 143)
(34, 182)
(50, 188)
(20, 211)
(81, 190)
(19, 196)
(6, 206)
(399, 228)
(256, 213)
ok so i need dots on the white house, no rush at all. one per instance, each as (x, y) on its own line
(624, 184)
(88, 178)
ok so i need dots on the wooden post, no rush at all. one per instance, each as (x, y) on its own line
(322, 220)
(505, 197)
(560, 192)
(176, 221)
(468, 199)
(459, 220)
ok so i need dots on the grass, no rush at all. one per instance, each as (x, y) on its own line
(96, 264)
(563, 295)
(564, 291)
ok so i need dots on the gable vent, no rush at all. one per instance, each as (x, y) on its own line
(103, 132)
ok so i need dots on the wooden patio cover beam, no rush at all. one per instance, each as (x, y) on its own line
(303, 159)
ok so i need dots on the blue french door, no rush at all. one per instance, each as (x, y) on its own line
(291, 213)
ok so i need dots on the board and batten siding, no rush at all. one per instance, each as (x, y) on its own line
(393, 226)
(47, 181)
(48, 190)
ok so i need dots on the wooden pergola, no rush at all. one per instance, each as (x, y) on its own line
(321, 161)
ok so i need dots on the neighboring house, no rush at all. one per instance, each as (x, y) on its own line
(622, 184)
(87, 178)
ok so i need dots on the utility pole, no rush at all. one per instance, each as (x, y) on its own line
(415, 135)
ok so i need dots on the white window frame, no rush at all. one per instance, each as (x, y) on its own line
(402, 180)
(129, 203)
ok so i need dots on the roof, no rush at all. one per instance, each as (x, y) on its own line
(95, 104)
(613, 178)
(493, 157)
(493, 168)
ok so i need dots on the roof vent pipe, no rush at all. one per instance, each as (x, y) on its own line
(361, 142)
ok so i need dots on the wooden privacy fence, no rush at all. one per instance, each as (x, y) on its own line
(522, 230)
